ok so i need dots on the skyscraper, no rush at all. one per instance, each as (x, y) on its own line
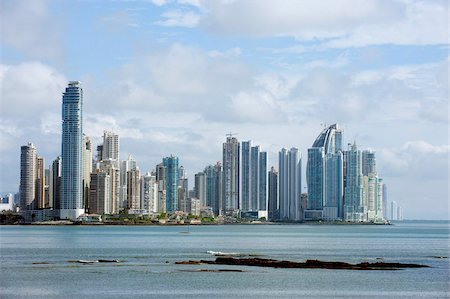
(55, 184)
(254, 175)
(110, 149)
(325, 174)
(149, 193)
(27, 177)
(99, 201)
(262, 180)
(272, 205)
(354, 208)
(213, 175)
(87, 167)
(40, 183)
(133, 189)
(126, 166)
(200, 187)
(245, 176)
(71, 152)
(231, 175)
(290, 184)
(368, 163)
(183, 190)
(171, 165)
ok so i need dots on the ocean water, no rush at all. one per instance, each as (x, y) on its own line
(148, 254)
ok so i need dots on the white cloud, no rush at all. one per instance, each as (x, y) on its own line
(256, 106)
(340, 23)
(28, 27)
(179, 18)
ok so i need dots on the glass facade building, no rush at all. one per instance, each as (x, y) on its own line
(171, 166)
(71, 152)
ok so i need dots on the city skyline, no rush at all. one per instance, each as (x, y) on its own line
(182, 77)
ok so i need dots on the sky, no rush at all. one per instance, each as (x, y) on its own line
(175, 76)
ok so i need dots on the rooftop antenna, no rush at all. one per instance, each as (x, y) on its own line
(231, 134)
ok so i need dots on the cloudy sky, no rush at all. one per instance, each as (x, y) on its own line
(173, 77)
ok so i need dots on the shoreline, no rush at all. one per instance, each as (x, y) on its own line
(68, 223)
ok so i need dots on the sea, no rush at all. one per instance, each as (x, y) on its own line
(38, 261)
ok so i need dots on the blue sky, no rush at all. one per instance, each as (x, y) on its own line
(173, 77)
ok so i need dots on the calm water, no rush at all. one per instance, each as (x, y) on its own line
(149, 253)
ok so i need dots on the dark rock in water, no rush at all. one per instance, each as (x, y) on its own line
(311, 264)
(213, 270)
(108, 261)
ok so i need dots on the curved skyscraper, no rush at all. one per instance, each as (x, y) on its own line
(324, 174)
(71, 152)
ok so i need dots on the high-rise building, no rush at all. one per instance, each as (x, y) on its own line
(325, 174)
(133, 189)
(87, 167)
(99, 201)
(368, 163)
(272, 205)
(245, 176)
(55, 184)
(385, 200)
(110, 149)
(40, 183)
(290, 184)
(110, 168)
(231, 175)
(354, 206)
(28, 168)
(213, 177)
(394, 211)
(262, 181)
(71, 154)
(200, 188)
(254, 178)
(126, 166)
(149, 193)
(183, 190)
(171, 171)
(161, 179)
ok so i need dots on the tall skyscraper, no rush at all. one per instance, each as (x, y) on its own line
(161, 179)
(325, 174)
(133, 189)
(149, 193)
(368, 163)
(110, 168)
(126, 166)
(254, 178)
(171, 166)
(99, 201)
(354, 207)
(273, 195)
(231, 175)
(40, 183)
(71, 152)
(245, 176)
(290, 184)
(28, 167)
(200, 188)
(262, 180)
(183, 190)
(385, 200)
(213, 176)
(55, 184)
